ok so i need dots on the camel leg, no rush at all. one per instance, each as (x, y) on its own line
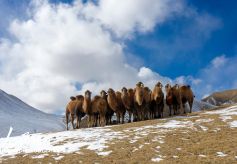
(130, 116)
(184, 108)
(123, 118)
(67, 120)
(170, 109)
(88, 121)
(77, 126)
(72, 120)
(190, 105)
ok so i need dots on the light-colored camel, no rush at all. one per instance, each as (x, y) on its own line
(157, 98)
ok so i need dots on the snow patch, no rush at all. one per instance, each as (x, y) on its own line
(221, 154)
(233, 124)
(58, 158)
(201, 155)
(105, 153)
(61, 142)
(224, 118)
(39, 156)
(157, 159)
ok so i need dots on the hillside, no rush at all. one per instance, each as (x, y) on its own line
(203, 137)
(223, 97)
(24, 118)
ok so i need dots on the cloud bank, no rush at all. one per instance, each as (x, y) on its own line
(61, 49)
(61, 45)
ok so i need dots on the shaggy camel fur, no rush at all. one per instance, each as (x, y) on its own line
(170, 99)
(99, 108)
(147, 99)
(88, 109)
(128, 101)
(139, 102)
(115, 103)
(157, 97)
(74, 107)
(110, 112)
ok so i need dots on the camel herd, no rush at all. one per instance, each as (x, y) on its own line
(140, 102)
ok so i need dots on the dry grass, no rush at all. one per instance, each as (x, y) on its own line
(182, 145)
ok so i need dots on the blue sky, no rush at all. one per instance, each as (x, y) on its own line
(192, 42)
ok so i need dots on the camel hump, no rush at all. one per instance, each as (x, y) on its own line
(80, 97)
(97, 97)
(73, 98)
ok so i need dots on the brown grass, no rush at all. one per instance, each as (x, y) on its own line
(193, 142)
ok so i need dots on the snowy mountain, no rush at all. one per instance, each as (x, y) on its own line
(24, 118)
(222, 97)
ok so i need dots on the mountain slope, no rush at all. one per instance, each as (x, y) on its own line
(223, 97)
(203, 137)
(24, 118)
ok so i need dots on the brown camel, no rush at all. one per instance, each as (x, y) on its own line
(147, 99)
(127, 99)
(110, 112)
(99, 108)
(74, 107)
(157, 97)
(186, 95)
(139, 102)
(170, 99)
(115, 103)
(88, 109)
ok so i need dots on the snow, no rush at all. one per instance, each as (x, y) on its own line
(59, 158)
(60, 142)
(105, 153)
(201, 155)
(233, 124)
(203, 128)
(225, 118)
(157, 159)
(39, 156)
(24, 118)
(221, 154)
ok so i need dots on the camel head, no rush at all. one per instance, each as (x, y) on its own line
(124, 90)
(168, 90)
(159, 85)
(87, 94)
(103, 94)
(140, 84)
(72, 98)
(110, 92)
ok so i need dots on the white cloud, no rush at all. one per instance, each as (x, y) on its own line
(219, 61)
(60, 45)
(125, 17)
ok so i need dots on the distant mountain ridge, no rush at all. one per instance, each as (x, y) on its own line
(222, 97)
(24, 118)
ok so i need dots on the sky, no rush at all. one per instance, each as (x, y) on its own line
(51, 50)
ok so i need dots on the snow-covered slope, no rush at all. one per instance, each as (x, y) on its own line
(24, 118)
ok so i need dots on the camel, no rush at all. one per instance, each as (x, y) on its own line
(115, 103)
(157, 97)
(186, 95)
(147, 99)
(170, 99)
(99, 108)
(139, 102)
(127, 99)
(110, 112)
(74, 107)
(88, 109)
